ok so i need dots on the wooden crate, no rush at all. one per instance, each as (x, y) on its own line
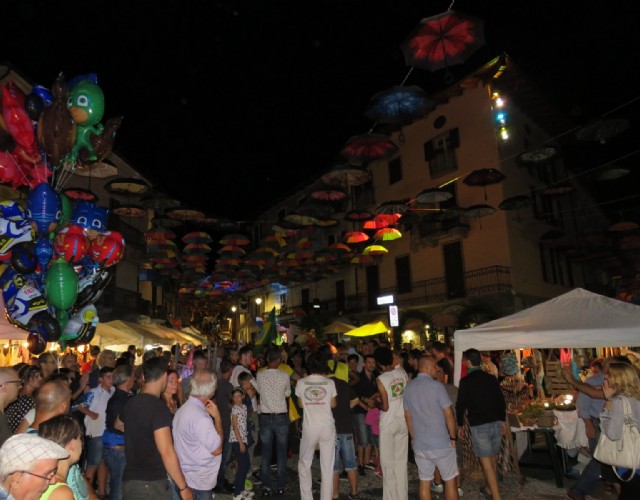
(554, 382)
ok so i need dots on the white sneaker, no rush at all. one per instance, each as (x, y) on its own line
(248, 494)
(437, 488)
(460, 492)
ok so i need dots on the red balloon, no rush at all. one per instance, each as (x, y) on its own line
(8, 168)
(71, 244)
(17, 120)
(107, 249)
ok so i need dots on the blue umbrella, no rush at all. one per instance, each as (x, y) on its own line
(399, 105)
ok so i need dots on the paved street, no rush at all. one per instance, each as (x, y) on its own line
(542, 486)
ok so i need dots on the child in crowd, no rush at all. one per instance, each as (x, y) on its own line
(238, 437)
(250, 400)
(372, 419)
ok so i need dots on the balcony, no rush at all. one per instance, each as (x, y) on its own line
(484, 281)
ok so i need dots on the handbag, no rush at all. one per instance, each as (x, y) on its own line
(624, 452)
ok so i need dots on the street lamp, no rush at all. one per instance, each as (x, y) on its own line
(258, 300)
(234, 330)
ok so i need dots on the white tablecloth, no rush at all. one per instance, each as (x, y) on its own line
(570, 432)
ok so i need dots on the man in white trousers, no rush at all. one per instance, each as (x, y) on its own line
(317, 396)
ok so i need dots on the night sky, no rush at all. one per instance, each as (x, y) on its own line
(229, 105)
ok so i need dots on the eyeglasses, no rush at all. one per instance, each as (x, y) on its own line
(48, 477)
(19, 382)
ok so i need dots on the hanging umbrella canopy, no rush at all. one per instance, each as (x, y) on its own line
(538, 155)
(443, 40)
(612, 173)
(329, 222)
(159, 201)
(484, 177)
(197, 237)
(375, 250)
(346, 175)
(387, 234)
(227, 249)
(362, 260)
(368, 330)
(602, 129)
(355, 237)
(366, 148)
(516, 203)
(235, 239)
(376, 223)
(159, 233)
(98, 170)
(392, 207)
(399, 105)
(184, 214)
(433, 196)
(130, 210)
(166, 222)
(479, 211)
(127, 186)
(80, 194)
(358, 215)
(328, 193)
(299, 219)
(558, 189)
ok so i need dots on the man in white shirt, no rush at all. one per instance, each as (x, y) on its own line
(95, 411)
(317, 396)
(394, 435)
(274, 387)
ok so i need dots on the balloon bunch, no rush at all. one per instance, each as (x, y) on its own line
(54, 265)
(51, 132)
(55, 259)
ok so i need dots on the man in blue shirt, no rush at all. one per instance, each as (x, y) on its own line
(428, 411)
(589, 411)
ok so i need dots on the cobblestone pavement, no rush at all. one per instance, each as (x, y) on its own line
(526, 487)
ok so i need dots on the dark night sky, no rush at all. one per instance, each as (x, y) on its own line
(254, 96)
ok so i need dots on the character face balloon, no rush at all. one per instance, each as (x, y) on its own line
(91, 218)
(86, 103)
(44, 209)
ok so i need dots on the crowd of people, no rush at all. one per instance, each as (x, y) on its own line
(185, 425)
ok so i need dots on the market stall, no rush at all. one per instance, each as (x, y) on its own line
(576, 319)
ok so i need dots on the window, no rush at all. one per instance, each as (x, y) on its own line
(282, 213)
(395, 171)
(440, 153)
(304, 297)
(556, 267)
(341, 302)
(283, 299)
(403, 274)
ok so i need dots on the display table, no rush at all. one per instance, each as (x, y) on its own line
(568, 433)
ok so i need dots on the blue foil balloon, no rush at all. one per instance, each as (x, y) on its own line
(44, 251)
(44, 209)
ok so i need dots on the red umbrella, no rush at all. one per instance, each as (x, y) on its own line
(76, 193)
(366, 148)
(443, 40)
(327, 193)
(484, 177)
(355, 237)
(235, 239)
(358, 215)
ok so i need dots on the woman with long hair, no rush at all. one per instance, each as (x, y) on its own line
(70, 484)
(171, 396)
(621, 388)
(31, 377)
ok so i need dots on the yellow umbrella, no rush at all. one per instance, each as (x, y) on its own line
(369, 329)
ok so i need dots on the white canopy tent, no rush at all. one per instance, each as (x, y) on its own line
(575, 319)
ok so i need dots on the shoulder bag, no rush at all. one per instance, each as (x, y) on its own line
(625, 452)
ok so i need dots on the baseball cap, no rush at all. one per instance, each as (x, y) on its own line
(20, 451)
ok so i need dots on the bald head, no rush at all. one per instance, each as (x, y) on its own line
(53, 398)
(427, 364)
